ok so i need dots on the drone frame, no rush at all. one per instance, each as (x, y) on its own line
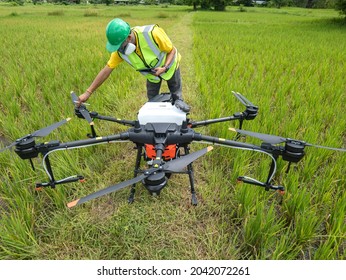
(159, 136)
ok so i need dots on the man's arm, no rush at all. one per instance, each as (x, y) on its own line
(100, 78)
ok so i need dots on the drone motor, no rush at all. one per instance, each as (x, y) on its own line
(294, 151)
(26, 148)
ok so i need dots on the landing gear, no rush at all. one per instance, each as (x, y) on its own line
(192, 184)
(156, 182)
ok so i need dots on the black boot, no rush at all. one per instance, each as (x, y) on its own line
(180, 104)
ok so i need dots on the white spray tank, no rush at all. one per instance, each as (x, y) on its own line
(160, 112)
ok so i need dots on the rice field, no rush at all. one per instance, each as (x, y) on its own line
(290, 62)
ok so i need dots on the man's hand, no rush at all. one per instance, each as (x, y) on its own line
(83, 97)
(159, 71)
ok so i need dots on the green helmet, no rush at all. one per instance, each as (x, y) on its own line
(117, 31)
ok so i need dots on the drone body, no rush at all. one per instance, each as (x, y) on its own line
(162, 135)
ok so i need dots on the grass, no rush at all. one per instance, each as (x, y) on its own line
(56, 13)
(290, 62)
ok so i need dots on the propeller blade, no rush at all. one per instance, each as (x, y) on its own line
(9, 146)
(325, 147)
(242, 99)
(106, 191)
(178, 164)
(85, 114)
(82, 109)
(271, 139)
(45, 131)
(38, 133)
(173, 166)
(74, 98)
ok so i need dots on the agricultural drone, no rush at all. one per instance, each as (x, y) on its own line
(162, 135)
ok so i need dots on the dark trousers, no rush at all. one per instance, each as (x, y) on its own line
(174, 85)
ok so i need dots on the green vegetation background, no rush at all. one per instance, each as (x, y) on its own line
(290, 62)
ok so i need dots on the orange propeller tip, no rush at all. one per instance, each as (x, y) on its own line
(92, 123)
(72, 204)
(210, 148)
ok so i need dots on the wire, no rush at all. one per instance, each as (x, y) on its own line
(123, 141)
(248, 149)
(70, 148)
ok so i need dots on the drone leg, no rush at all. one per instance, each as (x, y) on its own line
(131, 198)
(240, 127)
(93, 132)
(50, 171)
(271, 172)
(32, 164)
(191, 178)
(193, 192)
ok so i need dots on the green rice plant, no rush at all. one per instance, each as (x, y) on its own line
(290, 63)
(56, 13)
(124, 15)
(285, 248)
(162, 15)
(90, 13)
(278, 77)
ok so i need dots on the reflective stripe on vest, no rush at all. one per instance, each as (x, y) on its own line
(152, 56)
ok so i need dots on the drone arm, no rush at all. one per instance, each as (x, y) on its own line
(45, 148)
(225, 142)
(94, 141)
(111, 119)
(249, 114)
(218, 120)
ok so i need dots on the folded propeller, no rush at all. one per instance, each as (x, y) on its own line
(38, 133)
(273, 139)
(292, 151)
(82, 112)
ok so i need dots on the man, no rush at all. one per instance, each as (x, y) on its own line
(148, 50)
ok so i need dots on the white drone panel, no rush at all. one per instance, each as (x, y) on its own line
(160, 112)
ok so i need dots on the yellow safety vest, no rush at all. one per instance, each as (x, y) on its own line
(152, 56)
